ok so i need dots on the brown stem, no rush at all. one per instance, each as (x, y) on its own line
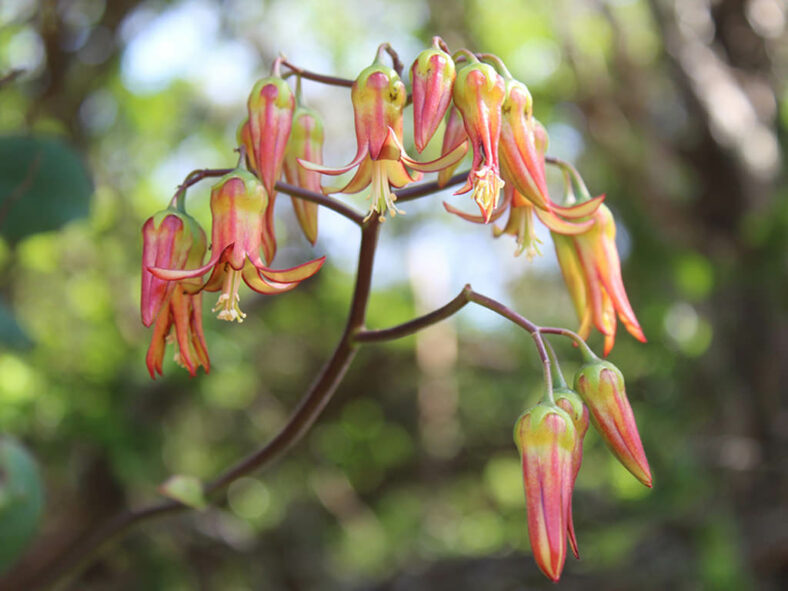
(417, 324)
(423, 189)
(79, 556)
(325, 384)
(467, 295)
(323, 200)
(331, 80)
(532, 328)
(195, 177)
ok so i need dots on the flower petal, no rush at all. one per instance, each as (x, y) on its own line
(294, 274)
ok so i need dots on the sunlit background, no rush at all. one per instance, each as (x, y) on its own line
(677, 110)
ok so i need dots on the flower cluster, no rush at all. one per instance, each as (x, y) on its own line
(550, 436)
(482, 109)
(273, 136)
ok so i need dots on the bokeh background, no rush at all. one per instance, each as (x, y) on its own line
(677, 110)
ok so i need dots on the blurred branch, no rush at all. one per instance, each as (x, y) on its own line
(10, 77)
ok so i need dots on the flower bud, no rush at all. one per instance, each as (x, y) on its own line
(601, 386)
(306, 142)
(432, 76)
(270, 105)
(519, 146)
(378, 96)
(569, 401)
(546, 438)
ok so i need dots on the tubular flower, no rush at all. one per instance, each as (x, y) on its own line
(520, 223)
(592, 271)
(454, 137)
(601, 386)
(183, 311)
(546, 439)
(170, 238)
(478, 93)
(264, 135)
(378, 97)
(174, 239)
(432, 76)
(522, 152)
(578, 412)
(238, 201)
(306, 141)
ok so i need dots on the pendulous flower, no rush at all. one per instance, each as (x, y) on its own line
(601, 386)
(432, 76)
(265, 136)
(478, 93)
(173, 239)
(306, 142)
(592, 271)
(546, 439)
(238, 201)
(569, 401)
(378, 97)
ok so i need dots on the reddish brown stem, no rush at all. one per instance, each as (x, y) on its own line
(330, 80)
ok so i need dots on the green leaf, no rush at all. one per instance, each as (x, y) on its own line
(21, 500)
(43, 185)
(11, 334)
(185, 489)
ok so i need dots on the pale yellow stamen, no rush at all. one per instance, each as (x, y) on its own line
(381, 197)
(227, 304)
(486, 187)
(170, 339)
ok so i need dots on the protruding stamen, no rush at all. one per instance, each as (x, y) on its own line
(381, 198)
(486, 187)
(227, 304)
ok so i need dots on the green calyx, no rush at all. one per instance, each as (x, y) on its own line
(591, 372)
(488, 73)
(284, 95)
(574, 400)
(252, 185)
(536, 416)
(298, 132)
(424, 63)
(396, 89)
(518, 99)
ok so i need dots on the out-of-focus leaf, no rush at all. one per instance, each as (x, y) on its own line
(11, 334)
(43, 185)
(21, 500)
(186, 490)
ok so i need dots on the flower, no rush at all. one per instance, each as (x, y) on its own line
(174, 239)
(237, 203)
(478, 93)
(601, 386)
(569, 401)
(265, 135)
(170, 238)
(546, 439)
(520, 223)
(432, 76)
(306, 141)
(523, 145)
(378, 97)
(183, 311)
(592, 271)
(454, 137)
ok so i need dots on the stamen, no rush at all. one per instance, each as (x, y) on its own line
(227, 304)
(381, 197)
(486, 187)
